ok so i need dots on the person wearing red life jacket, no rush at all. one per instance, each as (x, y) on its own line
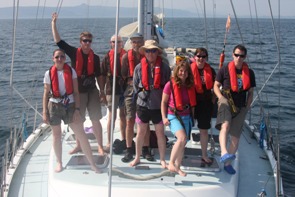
(204, 76)
(234, 100)
(129, 61)
(107, 69)
(149, 79)
(61, 102)
(87, 66)
(177, 106)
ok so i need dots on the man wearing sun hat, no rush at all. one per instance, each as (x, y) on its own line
(149, 78)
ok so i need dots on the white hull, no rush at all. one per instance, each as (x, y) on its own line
(35, 174)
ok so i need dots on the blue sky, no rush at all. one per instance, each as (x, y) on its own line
(223, 7)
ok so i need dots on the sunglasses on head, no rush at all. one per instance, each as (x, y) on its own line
(239, 55)
(119, 41)
(86, 40)
(59, 57)
(201, 56)
(151, 50)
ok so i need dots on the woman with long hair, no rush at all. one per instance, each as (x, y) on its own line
(178, 102)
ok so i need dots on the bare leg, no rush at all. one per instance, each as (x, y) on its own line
(204, 144)
(97, 131)
(122, 122)
(147, 137)
(109, 124)
(57, 146)
(141, 132)
(161, 143)
(77, 148)
(79, 132)
(223, 137)
(233, 147)
(129, 132)
(178, 164)
(177, 153)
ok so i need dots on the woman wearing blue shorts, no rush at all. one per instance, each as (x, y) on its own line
(178, 102)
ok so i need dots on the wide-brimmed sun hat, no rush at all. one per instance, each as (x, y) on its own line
(150, 44)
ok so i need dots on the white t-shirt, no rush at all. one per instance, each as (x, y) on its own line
(61, 84)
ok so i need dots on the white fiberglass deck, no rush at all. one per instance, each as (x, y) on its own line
(36, 177)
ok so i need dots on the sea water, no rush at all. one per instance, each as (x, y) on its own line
(34, 45)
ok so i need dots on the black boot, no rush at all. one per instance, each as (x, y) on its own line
(128, 155)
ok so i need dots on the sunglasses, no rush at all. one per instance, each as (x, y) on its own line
(59, 57)
(201, 56)
(151, 50)
(119, 41)
(239, 55)
(86, 40)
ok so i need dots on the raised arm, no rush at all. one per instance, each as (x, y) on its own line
(55, 33)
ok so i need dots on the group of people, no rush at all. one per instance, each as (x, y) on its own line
(142, 78)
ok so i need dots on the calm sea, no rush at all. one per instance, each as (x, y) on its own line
(34, 46)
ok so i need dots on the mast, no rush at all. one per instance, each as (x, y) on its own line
(145, 18)
(140, 16)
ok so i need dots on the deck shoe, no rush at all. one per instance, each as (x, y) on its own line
(147, 154)
(127, 157)
(229, 169)
(227, 157)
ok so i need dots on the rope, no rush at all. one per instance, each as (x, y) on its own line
(122, 174)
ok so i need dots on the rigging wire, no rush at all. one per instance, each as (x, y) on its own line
(113, 101)
(199, 16)
(15, 17)
(237, 22)
(214, 25)
(205, 24)
(261, 56)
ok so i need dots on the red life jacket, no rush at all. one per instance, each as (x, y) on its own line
(233, 76)
(67, 72)
(208, 77)
(178, 97)
(79, 62)
(156, 74)
(111, 56)
(131, 62)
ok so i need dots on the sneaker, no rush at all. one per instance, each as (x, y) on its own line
(229, 169)
(127, 157)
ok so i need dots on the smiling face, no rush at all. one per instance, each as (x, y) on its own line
(151, 55)
(59, 58)
(182, 73)
(119, 41)
(239, 57)
(201, 57)
(136, 43)
(85, 41)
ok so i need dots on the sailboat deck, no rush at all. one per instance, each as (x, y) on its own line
(36, 177)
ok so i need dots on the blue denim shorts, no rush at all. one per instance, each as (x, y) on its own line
(175, 125)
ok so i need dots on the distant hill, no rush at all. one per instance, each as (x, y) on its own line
(82, 10)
